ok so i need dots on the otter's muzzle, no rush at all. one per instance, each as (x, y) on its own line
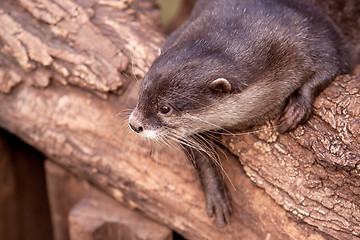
(135, 124)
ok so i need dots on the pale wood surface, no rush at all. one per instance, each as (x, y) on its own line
(80, 211)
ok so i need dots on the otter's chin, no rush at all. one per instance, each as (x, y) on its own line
(151, 135)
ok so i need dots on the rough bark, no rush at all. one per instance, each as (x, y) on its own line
(66, 85)
(76, 42)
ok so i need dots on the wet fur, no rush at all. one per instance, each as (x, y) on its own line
(271, 52)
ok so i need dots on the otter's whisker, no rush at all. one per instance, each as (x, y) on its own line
(132, 68)
(210, 149)
(246, 133)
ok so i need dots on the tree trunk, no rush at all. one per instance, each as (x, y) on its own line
(68, 71)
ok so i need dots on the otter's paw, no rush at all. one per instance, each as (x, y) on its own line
(298, 110)
(219, 204)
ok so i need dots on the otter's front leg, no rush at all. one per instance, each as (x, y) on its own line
(215, 191)
(300, 105)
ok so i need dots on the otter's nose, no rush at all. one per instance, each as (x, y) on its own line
(137, 129)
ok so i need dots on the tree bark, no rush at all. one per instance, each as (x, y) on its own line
(68, 71)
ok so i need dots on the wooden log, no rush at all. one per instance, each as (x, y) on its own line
(64, 191)
(154, 179)
(76, 43)
(23, 201)
(50, 100)
(79, 211)
(98, 216)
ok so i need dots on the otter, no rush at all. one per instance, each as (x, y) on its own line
(234, 64)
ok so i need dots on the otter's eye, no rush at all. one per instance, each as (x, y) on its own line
(165, 109)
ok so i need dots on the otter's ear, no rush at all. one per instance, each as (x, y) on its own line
(220, 85)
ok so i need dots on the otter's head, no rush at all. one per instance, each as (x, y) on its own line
(182, 86)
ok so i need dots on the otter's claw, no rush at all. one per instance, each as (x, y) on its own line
(298, 110)
(220, 205)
